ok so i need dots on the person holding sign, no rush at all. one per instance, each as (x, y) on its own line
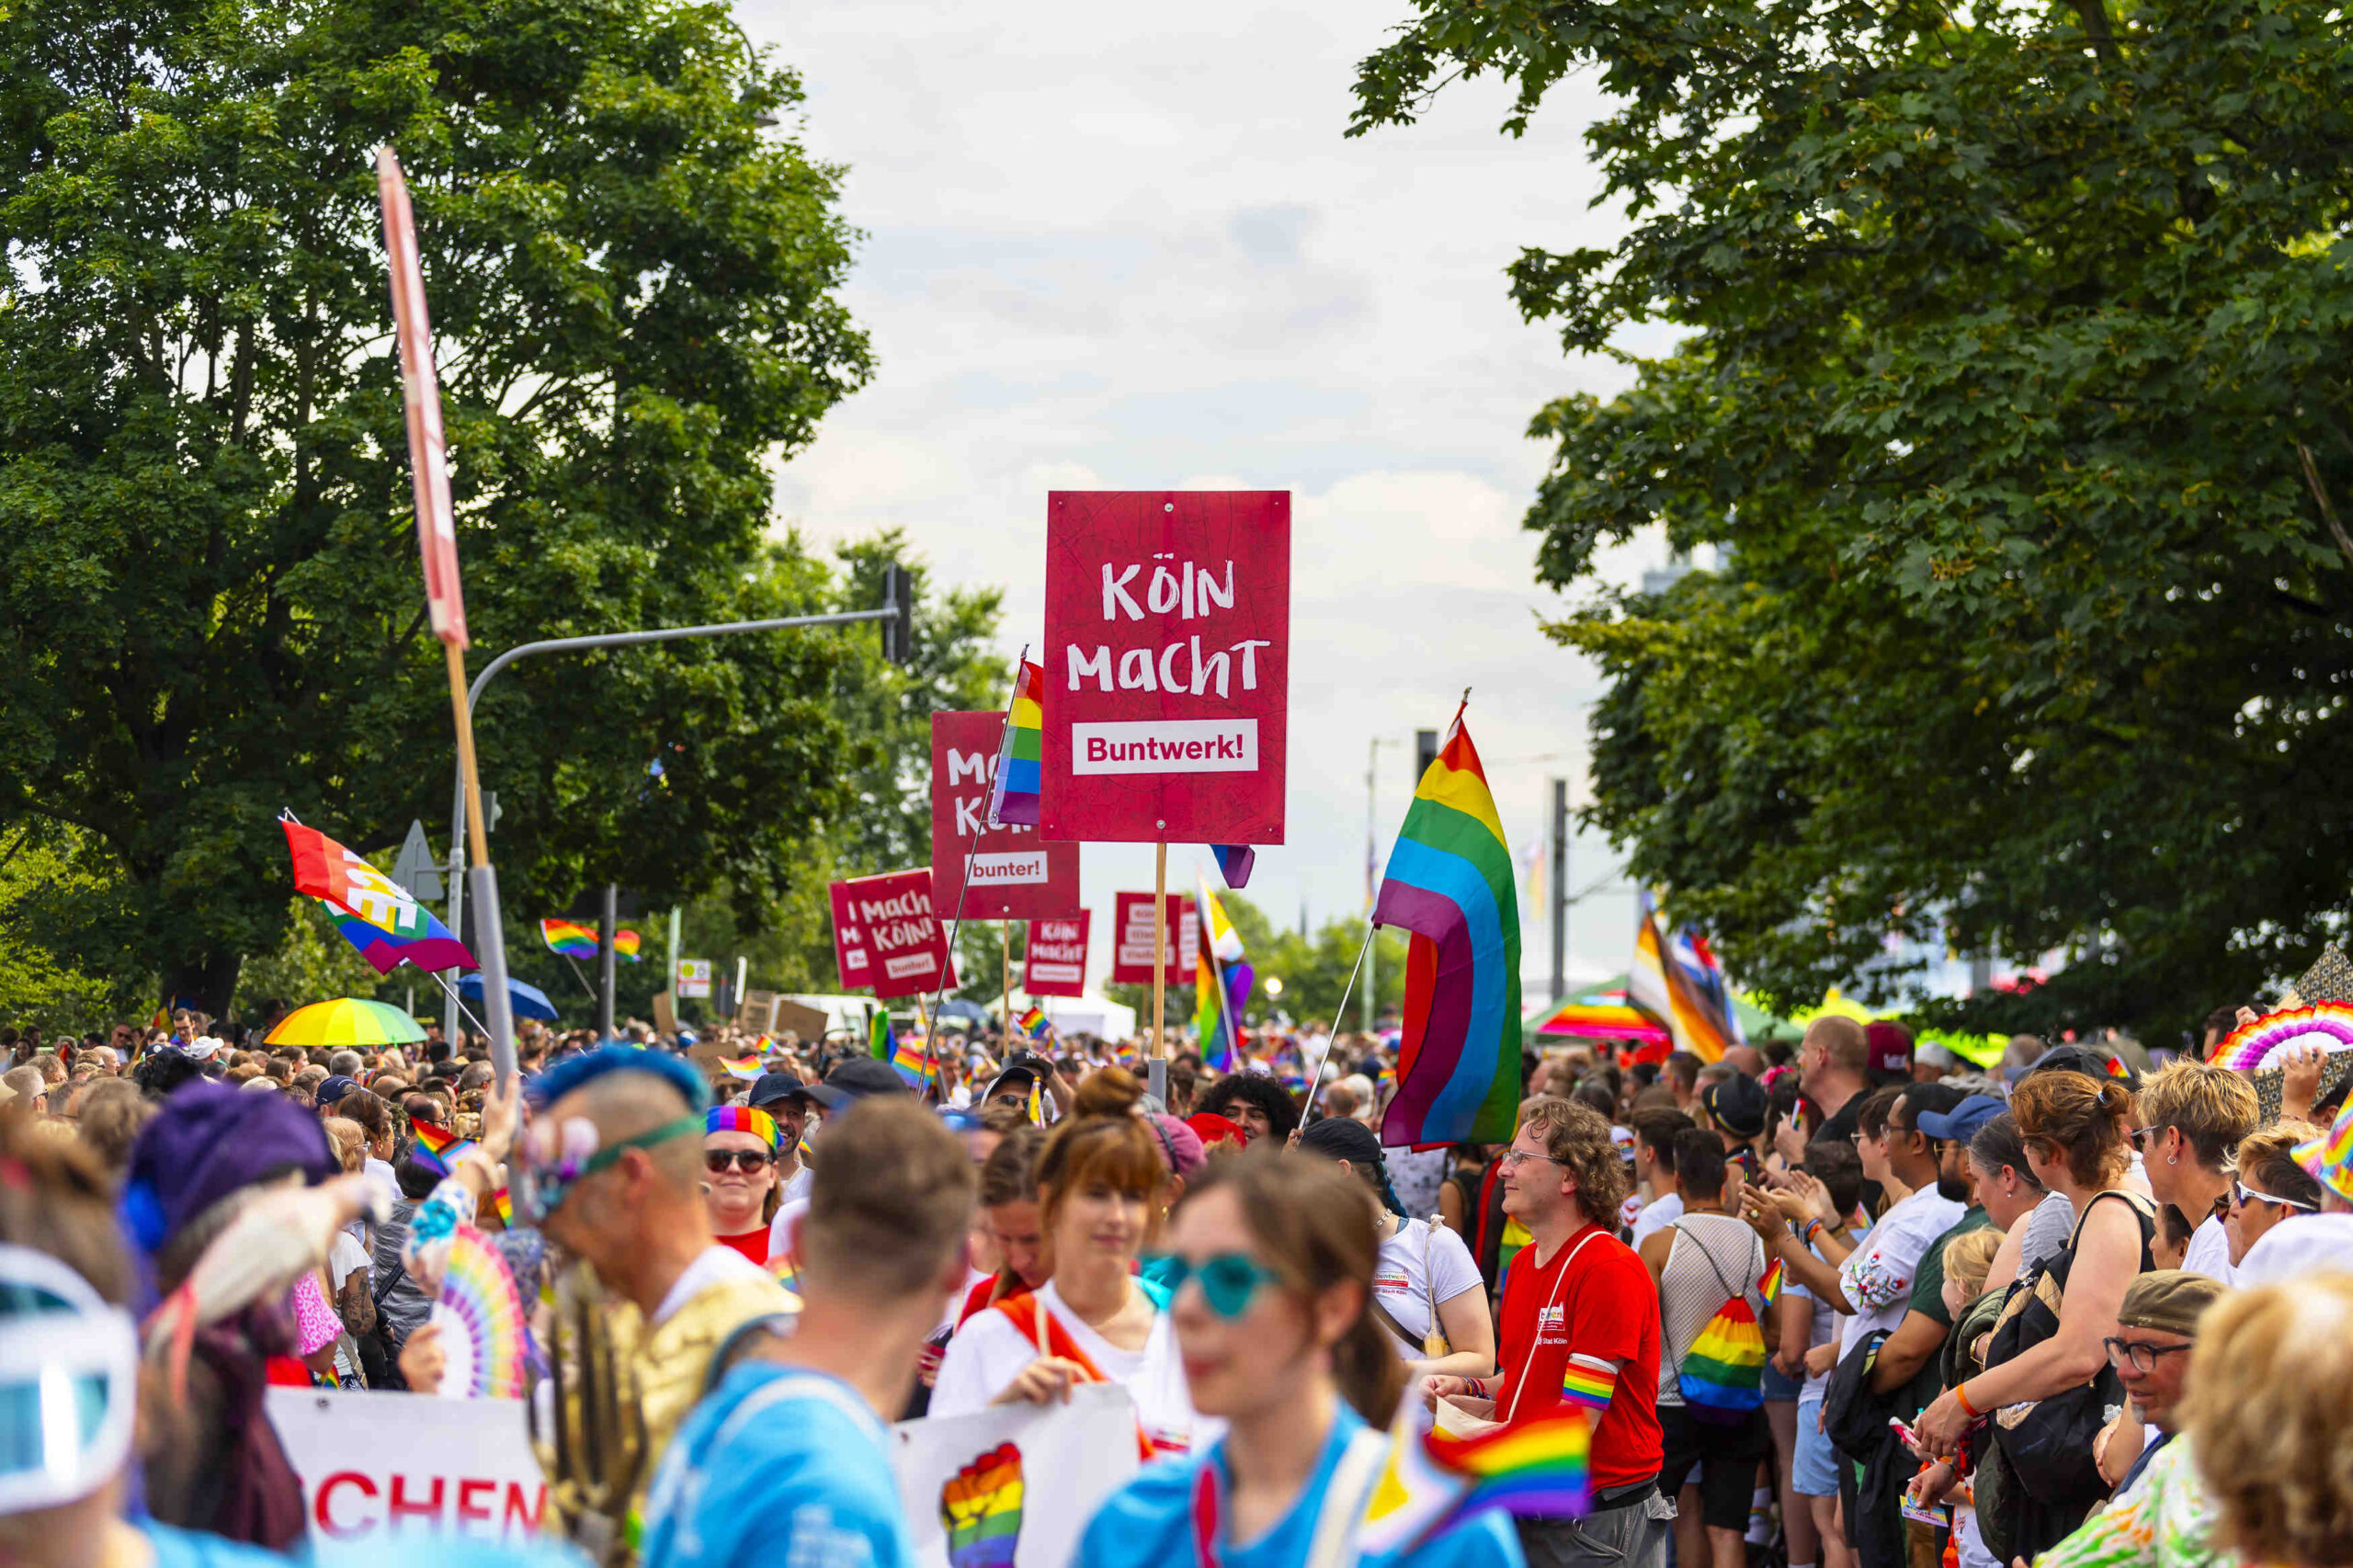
(1098, 1180)
(1274, 1262)
(788, 1460)
(1580, 1326)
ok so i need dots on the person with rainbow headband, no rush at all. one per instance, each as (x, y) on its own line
(1579, 1327)
(739, 1158)
(1274, 1259)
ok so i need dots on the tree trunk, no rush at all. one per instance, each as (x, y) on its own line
(209, 984)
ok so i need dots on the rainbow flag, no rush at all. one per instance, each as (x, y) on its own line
(1679, 982)
(910, 1063)
(1222, 978)
(1450, 883)
(747, 1068)
(1033, 1022)
(786, 1272)
(438, 1148)
(1013, 798)
(569, 937)
(1429, 1481)
(625, 945)
(1769, 1284)
(375, 913)
(980, 1508)
(1234, 862)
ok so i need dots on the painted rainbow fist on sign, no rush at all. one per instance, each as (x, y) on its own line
(980, 1505)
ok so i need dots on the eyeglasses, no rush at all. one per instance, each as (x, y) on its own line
(2240, 1193)
(1228, 1281)
(716, 1161)
(2143, 1355)
(1516, 1158)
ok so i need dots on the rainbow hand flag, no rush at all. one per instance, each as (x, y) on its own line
(1769, 1284)
(569, 937)
(1430, 1481)
(625, 945)
(1033, 1022)
(1013, 798)
(747, 1068)
(1449, 883)
(1222, 978)
(438, 1148)
(980, 1507)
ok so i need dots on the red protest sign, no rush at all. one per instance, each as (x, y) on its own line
(887, 935)
(1016, 874)
(1132, 938)
(437, 522)
(1167, 666)
(1056, 964)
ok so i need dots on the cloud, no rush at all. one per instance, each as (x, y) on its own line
(1108, 250)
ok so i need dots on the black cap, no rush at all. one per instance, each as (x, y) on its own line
(1737, 1103)
(774, 1087)
(2077, 1059)
(854, 1080)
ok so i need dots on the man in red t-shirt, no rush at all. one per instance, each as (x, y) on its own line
(1579, 1326)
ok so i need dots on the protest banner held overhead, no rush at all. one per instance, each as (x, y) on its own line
(887, 937)
(1167, 666)
(1016, 873)
(1131, 939)
(1056, 964)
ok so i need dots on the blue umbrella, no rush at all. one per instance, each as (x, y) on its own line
(527, 1000)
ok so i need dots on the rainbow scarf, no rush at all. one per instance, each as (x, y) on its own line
(1013, 798)
(741, 1118)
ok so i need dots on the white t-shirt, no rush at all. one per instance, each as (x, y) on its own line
(344, 1257)
(1657, 1215)
(988, 1353)
(2209, 1253)
(1877, 1279)
(1398, 1276)
(1822, 1331)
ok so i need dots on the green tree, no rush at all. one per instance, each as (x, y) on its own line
(210, 604)
(1313, 970)
(2013, 379)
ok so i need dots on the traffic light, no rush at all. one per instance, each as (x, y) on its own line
(899, 627)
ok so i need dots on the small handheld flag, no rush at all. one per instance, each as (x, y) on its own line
(1013, 798)
(747, 1068)
(375, 913)
(625, 945)
(569, 937)
(1033, 1022)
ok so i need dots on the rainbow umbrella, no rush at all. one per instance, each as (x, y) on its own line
(347, 1021)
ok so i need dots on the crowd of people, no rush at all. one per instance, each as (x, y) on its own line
(1842, 1302)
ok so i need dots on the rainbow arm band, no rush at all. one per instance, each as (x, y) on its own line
(1588, 1383)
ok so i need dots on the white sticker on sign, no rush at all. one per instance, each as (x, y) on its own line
(906, 964)
(1025, 868)
(1067, 973)
(1165, 745)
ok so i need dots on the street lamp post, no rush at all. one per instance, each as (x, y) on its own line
(896, 614)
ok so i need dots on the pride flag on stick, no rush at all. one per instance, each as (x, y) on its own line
(1450, 883)
(1013, 798)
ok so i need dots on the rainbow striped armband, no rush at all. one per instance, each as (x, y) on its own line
(1588, 1383)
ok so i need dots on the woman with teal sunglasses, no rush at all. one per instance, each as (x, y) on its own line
(1271, 1272)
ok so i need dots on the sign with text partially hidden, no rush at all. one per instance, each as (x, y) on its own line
(887, 937)
(1167, 666)
(1016, 874)
(1132, 938)
(1056, 960)
(374, 1465)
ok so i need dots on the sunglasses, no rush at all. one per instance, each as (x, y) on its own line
(2242, 1194)
(716, 1161)
(1228, 1281)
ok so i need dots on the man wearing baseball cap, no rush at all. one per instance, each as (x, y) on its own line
(853, 1078)
(786, 1099)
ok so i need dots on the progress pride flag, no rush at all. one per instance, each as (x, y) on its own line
(1167, 666)
(887, 937)
(1056, 964)
(1016, 874)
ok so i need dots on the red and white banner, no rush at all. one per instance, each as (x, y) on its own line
(887, 937)
(437, 521)
(1016, 873)
(1056, 964)
(1167, 666)
(1131, 939)
(376, 1464)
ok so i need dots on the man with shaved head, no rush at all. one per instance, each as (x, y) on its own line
(613, 1170)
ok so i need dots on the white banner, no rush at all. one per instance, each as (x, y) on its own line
(376, 1463)
(1014, 1485)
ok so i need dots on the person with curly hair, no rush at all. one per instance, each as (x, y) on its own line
(1579, 1327)
(1254, 1102)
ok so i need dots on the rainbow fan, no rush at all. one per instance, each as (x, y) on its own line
(485, 1340)
(2328, 1025)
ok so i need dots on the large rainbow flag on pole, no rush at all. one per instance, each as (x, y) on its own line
(1449, 883)
(375, 913)
(1013, 798)
(1679, 982)
(1222, 979)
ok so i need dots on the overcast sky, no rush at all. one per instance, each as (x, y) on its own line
(1131, 250)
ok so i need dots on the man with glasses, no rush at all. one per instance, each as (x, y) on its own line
(2155, 1330)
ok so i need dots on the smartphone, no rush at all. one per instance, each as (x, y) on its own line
(1911, 1438)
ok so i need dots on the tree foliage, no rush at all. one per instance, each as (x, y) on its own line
(2014, 383)
(210, 605)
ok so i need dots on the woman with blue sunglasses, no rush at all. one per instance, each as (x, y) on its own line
(1271, 1269)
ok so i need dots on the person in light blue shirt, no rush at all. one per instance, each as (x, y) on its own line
(788, 1461)
(1273, 1262)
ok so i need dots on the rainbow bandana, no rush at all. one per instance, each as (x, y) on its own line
(741, 1118)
